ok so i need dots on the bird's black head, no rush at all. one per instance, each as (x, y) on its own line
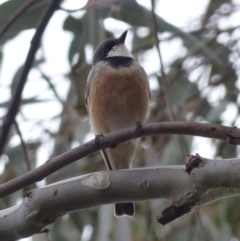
(113, 47)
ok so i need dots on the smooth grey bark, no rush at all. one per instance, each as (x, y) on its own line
(229, 134)
(216, 179)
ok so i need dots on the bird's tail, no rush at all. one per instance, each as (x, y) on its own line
(124, 209)
(120, 208)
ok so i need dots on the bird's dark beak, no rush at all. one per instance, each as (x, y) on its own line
(122, 38)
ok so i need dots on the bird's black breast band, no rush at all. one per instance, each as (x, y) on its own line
(119, 62)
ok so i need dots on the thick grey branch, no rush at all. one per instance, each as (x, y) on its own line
(229, 134)
(216, 179)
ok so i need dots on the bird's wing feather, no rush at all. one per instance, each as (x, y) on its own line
(88, 86)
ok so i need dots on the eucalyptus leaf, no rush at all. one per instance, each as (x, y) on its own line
(28, 20)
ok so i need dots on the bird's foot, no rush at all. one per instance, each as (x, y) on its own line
(98, 137)
(114, 145)
(139, 127)
(106, 159)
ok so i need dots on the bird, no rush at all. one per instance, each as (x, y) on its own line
(117, 96)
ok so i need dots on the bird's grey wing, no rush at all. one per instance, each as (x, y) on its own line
(88, 86)
(144, 73)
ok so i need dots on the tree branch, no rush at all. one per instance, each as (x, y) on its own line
(217, 179)
(165, 81)
(229, 134)
(16, 100)
(166, 93)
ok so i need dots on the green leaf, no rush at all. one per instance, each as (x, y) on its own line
(28, 20)
(75, 27)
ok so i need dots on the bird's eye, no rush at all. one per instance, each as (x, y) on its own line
(104, 51)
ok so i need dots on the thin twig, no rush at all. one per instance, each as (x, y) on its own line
(164, 76)
(229, 134)
(15, 16)
(24, 148)
(16, 100)
(165, 85)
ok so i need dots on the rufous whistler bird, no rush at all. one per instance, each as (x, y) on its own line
(117, 96)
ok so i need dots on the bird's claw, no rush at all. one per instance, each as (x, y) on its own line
(139, 127)
(98, 137)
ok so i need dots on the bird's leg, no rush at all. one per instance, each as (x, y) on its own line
(106, 159)
(105, 156)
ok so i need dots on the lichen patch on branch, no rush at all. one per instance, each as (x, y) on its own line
(98, 180)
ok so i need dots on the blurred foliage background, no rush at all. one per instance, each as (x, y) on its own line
(202, 84)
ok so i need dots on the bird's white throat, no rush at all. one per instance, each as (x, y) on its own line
(118, 51)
